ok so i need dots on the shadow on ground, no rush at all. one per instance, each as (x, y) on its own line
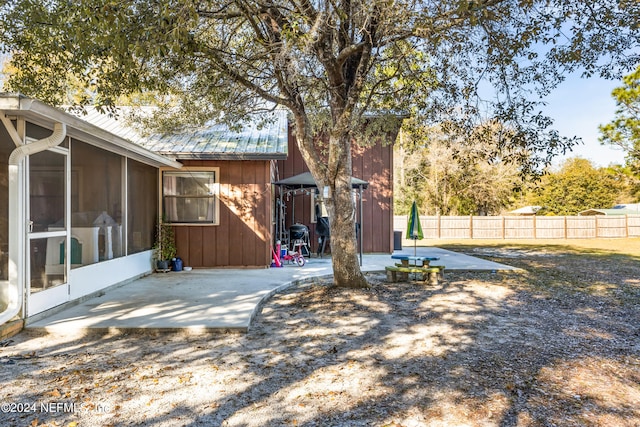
(555, 345)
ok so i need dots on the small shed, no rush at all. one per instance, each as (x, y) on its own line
(608, 212)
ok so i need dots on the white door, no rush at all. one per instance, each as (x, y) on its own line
(47, 245)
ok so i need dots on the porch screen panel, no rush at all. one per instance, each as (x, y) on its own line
(190, 197)
(142, 206)
(47, 191)
(96, 202)
(6, 146)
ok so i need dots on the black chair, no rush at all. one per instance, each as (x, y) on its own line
(322, 230)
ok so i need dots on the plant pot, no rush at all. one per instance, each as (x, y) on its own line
(162, 265)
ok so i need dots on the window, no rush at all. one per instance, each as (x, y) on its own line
(190, 196)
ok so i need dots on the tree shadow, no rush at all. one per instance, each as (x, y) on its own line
(478, 349)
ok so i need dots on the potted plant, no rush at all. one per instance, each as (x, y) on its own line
(164, 249)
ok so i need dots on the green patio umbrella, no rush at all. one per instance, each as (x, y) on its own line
(414, 229)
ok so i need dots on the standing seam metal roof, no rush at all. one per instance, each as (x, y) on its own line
(211, 142)
(218, 142)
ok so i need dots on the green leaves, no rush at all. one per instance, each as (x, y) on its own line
(459, 62)
(578, 186)
(624, 130)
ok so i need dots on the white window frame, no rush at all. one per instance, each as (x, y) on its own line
(215, 194)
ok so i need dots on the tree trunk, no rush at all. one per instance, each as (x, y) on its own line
(335, 174)
(346, 266)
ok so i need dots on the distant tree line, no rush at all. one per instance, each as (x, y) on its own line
(448, 177)
(482, 174)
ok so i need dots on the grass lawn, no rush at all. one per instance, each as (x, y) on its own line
(623, 246)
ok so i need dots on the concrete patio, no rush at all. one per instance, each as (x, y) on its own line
(209, 300)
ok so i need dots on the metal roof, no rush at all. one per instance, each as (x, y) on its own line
(526, 210)
(616, 211)
(218, 142)
(208, 142)
(79, 127)
(116, 125)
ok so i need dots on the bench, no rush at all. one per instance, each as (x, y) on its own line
(395, 273)
(441, 267)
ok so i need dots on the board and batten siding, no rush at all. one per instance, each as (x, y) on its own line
(243, 236)
(374, 164)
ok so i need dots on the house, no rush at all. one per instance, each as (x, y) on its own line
(220, 203)
(82, 196)
(243, 166)
(629, 206)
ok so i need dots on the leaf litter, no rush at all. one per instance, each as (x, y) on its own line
(550, 346)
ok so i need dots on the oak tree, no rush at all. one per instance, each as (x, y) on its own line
(331, 63)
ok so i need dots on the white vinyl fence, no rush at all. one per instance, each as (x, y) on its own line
(524, 227)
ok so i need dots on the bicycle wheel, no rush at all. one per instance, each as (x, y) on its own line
(300, 261)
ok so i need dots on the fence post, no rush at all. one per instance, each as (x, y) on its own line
(439, 225)
(626, 226)
(566, 233)
(535, 229)
(504, 224)
(471, 226)
(597, 225)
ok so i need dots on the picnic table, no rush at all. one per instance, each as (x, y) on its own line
(410, 264)
(408, 260)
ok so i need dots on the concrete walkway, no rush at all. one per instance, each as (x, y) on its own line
(209, 300)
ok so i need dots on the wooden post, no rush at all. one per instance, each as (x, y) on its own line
(535, 226)
(504, 224)
(597, 225)
(439, 225)
(565, 227)
(626, 226)
(471, 226)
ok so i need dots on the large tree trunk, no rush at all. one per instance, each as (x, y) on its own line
(335, 174)
(346, 267)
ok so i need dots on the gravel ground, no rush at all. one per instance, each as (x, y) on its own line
(478, 349)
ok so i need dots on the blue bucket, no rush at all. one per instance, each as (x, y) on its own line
(177, 264)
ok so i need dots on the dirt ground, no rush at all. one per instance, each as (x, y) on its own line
(555, 345)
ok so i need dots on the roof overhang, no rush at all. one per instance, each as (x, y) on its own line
(41, 114)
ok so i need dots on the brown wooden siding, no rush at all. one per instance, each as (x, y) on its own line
(243, 237)
(372, 163)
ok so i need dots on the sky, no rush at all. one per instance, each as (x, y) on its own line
(578, 106)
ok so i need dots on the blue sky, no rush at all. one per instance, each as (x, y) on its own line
(578, 106)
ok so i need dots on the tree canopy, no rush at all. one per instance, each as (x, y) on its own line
(624, 130)
(331, 63)
(579, 186)
(448, 175)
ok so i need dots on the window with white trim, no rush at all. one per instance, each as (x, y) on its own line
(191, 196)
